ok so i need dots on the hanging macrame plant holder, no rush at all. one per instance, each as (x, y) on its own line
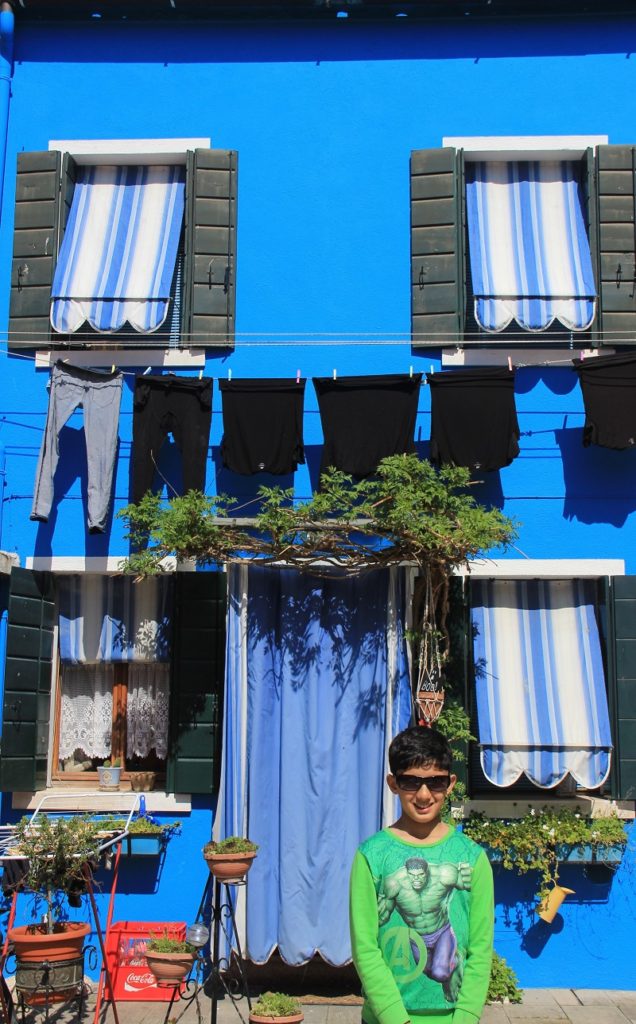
(429, 695)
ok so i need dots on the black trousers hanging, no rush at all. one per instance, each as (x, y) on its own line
(181, 406)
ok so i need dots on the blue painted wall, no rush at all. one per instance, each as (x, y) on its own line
(324, 119)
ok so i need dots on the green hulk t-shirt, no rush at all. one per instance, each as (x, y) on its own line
(421, 928)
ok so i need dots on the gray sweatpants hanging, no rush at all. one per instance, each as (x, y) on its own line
(99, 394)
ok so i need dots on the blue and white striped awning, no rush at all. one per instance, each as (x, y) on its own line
(529, 251)
(118, 254)
(113, 618)
(540, 684)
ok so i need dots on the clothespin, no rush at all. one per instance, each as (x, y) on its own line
(410, 371)
(582, 354)
(147, 370)
(298, 376)
(432, 369)
(335, 374)
(510, 363)
(229, 375)
(112, 369)
(200, 374)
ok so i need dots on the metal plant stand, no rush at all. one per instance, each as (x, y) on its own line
(212, 973)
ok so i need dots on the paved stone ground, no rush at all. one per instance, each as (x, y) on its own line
(539, 1006)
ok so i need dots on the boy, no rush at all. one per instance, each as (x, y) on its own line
(421, 906)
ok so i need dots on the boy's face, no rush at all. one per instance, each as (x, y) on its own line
(422, 804)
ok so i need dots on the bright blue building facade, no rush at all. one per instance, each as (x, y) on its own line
(324, 114)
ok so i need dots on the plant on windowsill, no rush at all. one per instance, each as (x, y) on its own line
(56, 854)
(230, 859)
(109, 774)
(278, 1007)
(170, 960)
(542, 840)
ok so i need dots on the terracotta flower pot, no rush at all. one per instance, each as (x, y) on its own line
(33, 944)
(229, 867)
(548, 909)
(259, 1018)
(169, 968)
(142, 782)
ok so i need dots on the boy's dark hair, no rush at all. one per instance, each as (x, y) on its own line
(419, 747)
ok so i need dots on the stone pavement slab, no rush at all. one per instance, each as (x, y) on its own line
(563, 996)
(536, 1009)
(593, 996)
(591, 1014)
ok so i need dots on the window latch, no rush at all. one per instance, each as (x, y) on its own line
(23, 273)
(226, 279)
(420, 279)
(619, 275)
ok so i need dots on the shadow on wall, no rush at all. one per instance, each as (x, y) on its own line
(600, 484)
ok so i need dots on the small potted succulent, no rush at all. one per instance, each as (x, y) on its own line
(109, 774)
(230, 859)
(276, 1007)
(169, 959)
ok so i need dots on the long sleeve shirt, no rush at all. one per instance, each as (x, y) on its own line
(422, 920)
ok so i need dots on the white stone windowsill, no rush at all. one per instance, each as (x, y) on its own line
(589, 806)
(98, 801)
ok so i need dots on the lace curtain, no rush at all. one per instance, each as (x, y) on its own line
(87, 710)
(86, 718)
(147, 709)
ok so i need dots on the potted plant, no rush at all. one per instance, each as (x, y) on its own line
(542, 840)
(142, 781)
(170, 960)
(278, 1007)
(146, 836)
(55, 853)
(109, 774)
(230, 859)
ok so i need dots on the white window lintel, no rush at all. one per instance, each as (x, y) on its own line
(515, 147)
(128, 151)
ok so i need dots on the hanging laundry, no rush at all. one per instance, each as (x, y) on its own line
(167, 404)
(473, 418)
(262, 425)
(366, 419)
(608, 384)
(99, 395)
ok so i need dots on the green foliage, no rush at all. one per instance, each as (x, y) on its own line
(138, 826)
(504, 984)
(276, 1004)
(454, 723)
(115, 763)
(418, 513)
(233, 844)
(540, 840)
(56, 850)
(164, 944)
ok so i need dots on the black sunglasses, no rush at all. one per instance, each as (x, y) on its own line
(411, 783)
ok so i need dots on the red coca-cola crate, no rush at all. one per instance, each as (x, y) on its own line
(126, 954)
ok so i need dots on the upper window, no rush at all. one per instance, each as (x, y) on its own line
(136, 242)
(517, 237)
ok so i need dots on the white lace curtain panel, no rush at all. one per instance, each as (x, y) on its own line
(87, 710)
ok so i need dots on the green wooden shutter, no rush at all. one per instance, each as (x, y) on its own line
(617, 243)
(623, 677)
(210, 270)
(437, 247)
(27, 681)
(196, 692)
(44, 190)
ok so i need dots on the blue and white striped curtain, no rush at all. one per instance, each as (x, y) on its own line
(113, 618)
(118, 254)
(529, 251)
(540, 684)
(316, 686)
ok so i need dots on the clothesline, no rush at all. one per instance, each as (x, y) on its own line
(135, 373)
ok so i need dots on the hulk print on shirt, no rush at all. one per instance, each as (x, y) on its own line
(421, 892)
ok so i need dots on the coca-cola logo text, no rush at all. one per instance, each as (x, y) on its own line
(135, 981)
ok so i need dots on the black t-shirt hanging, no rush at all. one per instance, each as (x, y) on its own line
(262, 425)
(608, 384)
(473, 418)
(366, 419)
